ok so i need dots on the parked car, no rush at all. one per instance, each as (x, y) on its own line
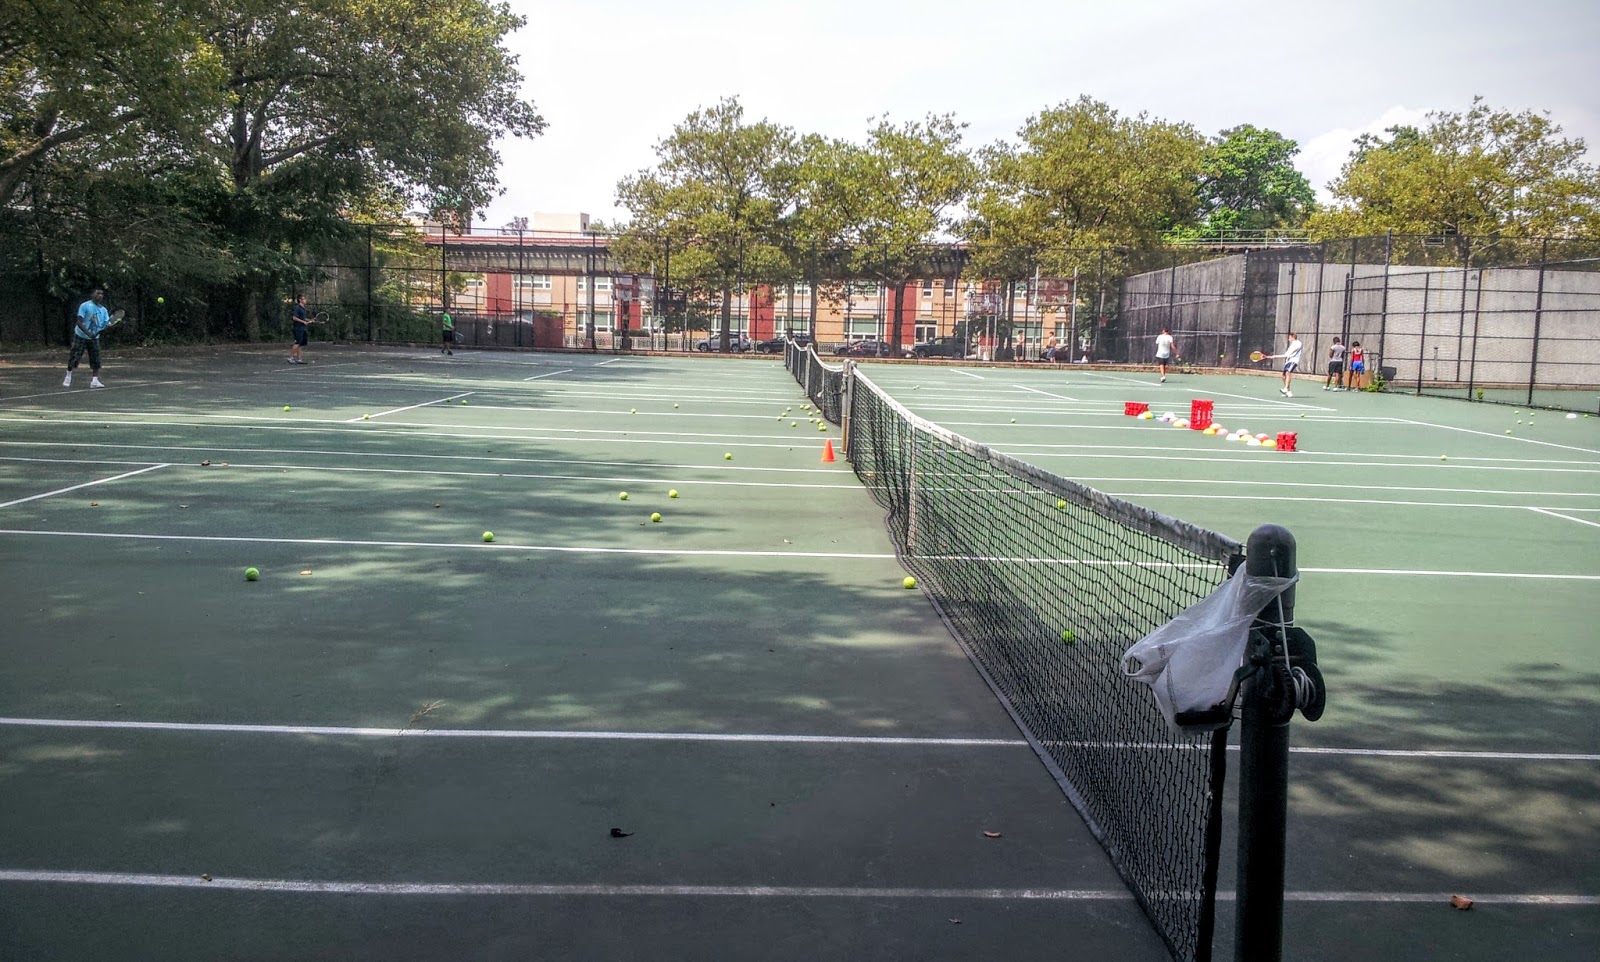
(774, 345)
(941, 347)
(714, 343)
(867, 348)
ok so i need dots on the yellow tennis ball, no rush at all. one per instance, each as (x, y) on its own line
(161, 300)
(251, 574)
(286, 407)
(728, 456)
(910, 582)
(1444, 457)
(1068, 636)
(488, 536)
(366, 417)
(623, 496)
(1060, 503)
(673, 493)
(655, 516)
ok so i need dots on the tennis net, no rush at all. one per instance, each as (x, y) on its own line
(1015, 558)
(824, 385)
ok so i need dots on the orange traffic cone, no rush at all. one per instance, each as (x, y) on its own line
(827, 452)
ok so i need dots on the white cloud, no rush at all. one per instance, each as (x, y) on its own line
(1323, 156)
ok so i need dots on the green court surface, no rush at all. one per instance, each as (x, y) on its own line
(406, 742)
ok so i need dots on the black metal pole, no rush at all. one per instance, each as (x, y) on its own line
(1264, 765)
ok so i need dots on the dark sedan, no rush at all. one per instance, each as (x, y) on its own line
(866, 348)
(774, 345)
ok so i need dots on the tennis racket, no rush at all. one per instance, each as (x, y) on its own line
(1257, 356)
(117, 316)
(321, 317)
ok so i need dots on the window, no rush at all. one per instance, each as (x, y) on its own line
(602, 285)
(949, 287)
(602, 320)
(925, 330)
(1063, 331)
(864, 288)
(533, 282)
(859, 328)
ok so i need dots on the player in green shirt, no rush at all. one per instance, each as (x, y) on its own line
(449, 333)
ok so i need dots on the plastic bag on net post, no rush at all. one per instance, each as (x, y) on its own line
(1190, 662)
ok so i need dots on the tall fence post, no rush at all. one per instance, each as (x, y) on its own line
(1538, 319)
(1383, 308)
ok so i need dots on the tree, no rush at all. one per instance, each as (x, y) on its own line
(1083, 180)
(889, 201)
(1082, 176)
(716, 201)
(1248, 182)
(1483, 172)
(85, 74)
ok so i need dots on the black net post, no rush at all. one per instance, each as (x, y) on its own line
(1264, 757)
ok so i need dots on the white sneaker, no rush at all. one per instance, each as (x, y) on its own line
(95, 382)
(67, 381)
(1163, 380)
(1288, 394)
(1284, 391)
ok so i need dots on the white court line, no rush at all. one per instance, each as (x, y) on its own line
(1022, 452)
(746, 553)
(550, 374)
(86, 484)
(967, 374)
(612, 361)
(611, 479)
(113, 386)
(409, 407)
(477, 432)
(526, 890)
(1553, 514)
(754, 738)
(1491, 434)
(1342, 487)
(552, 735)
(313, 452)
(1035, 390)
(471, 546)
(1189, 496)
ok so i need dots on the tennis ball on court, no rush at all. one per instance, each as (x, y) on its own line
(623, 496)
(1060, 504)
(488, 536)
(728, 456)
(463, 400)
(655, 516)
(161, 300)
(366, 417)
(1508, 430)
(633, 410)
(793, 424)
(1444, 457)
(822, 427)
(910, 582)
(1068, 636)
(1013, 420)
(673, 493)
(674, 405)
(286, 407)
(251, 574)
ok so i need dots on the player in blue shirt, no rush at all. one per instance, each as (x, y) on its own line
(92, 319)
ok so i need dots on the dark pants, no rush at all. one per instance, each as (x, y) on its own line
(81, 344)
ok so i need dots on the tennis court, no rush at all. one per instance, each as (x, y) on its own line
(404, 741)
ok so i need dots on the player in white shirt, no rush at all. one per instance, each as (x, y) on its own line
(1291, 363)
(1165, 352)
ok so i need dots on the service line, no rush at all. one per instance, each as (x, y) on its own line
(86, 484)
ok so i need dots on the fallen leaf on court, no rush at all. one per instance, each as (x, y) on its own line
(205, 877)
(306, 572)
(183, 506)
(991, 834)
(206, 463)
(94, 504)
(956, 921)
(1460, 902)
(619, 833)
(436, 506)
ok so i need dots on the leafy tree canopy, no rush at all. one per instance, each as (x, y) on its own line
(1248, 181)
(1483, 172)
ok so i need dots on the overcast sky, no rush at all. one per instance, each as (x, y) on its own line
(612, 77)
